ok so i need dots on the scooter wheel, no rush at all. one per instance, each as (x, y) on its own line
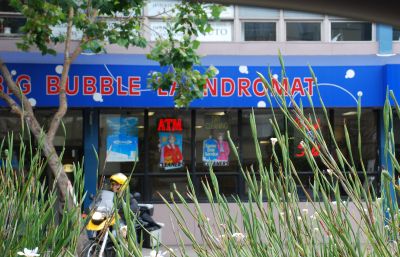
(94, 251)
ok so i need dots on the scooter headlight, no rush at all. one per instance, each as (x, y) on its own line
(98, 217)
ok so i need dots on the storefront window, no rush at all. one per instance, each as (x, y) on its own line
(265, 132)
(227, 185)
(214, 151)
(368, 128)
(121, 142)
(303, 31)
(296, 139)
(351, 31)
(164, 185)
(212, 146)
(396, 134)
(169, 141)
(71, 138)
(11, 125)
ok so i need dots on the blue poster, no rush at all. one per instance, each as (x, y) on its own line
(216, 151)
(210, 150)
(122, 139)
(171, 150)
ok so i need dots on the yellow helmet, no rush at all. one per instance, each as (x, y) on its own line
(119, 178)
(68, 168)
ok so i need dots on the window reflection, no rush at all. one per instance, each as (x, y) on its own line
(296, 138)
(265, 132)
(351, 31)
(368, 129)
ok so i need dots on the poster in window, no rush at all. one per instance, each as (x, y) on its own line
(122, 139)
(310, 134)
(171, 150)
(216, 151)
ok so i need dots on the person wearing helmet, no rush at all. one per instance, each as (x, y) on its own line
(118, 183)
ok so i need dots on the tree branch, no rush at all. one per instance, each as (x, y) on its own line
(63, 106)
(15, 108)
(14, 88)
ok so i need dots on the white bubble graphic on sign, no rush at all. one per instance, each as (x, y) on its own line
(359, 93)
(261, 104)
(243, 69)
(97, 97)
(32, 101)
(13, 72)
(59, 69)
(275, 76)
(350, 74)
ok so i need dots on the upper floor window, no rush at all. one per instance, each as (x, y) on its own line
(259, 31)
(5, 6)
(396, 34)
(303, 31)
(351, 31)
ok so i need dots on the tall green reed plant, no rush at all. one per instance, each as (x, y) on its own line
(29, 206)
(273, 221)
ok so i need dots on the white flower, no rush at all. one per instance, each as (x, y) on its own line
(305, 211)
(315, 216)
(124, 231)
(29, 253)
(273, 140)
(302, 143)
(299, 219)
(329, 171)
(153, 253)
(334, 203)
(316, 230)
(239, 237)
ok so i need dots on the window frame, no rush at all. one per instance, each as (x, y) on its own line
(373, 31)
(285, 34)
(242, 29)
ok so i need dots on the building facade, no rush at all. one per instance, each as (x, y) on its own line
(130, 126)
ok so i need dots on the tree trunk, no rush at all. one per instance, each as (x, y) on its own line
(61, 178)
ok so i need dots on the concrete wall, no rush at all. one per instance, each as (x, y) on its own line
(252, 48)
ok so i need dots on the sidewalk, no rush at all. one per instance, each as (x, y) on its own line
(189, 251)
